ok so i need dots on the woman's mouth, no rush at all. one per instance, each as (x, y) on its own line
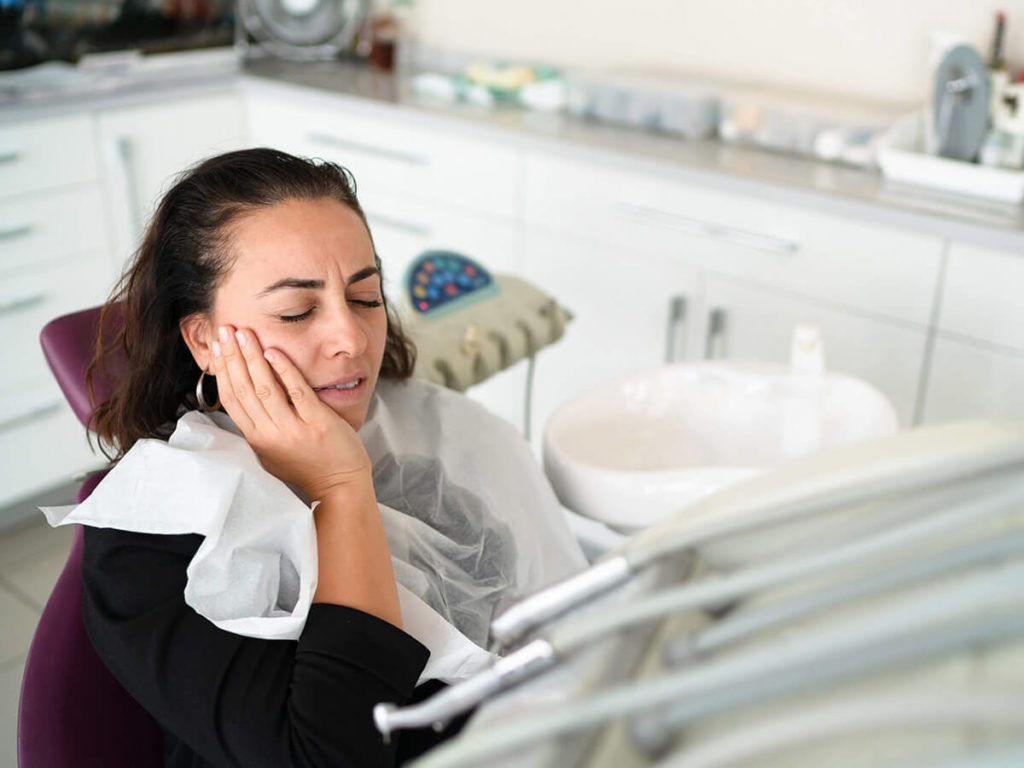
(346, 385)
(342, 392)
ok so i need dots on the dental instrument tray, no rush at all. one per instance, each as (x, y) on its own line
(468, 324)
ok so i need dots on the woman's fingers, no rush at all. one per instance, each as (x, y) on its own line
(242, 398)
(300, 393)
(227, 384)
(265, 387)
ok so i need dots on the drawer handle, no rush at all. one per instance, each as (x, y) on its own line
(9, 155)
(714, 342)
(18, 230)
(741, 237)
(19, 304)
(32, 414)
(676, 329)
(401, 225)
(369, 149)
(126, 155)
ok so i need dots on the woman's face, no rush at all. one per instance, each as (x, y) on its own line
(304, 280)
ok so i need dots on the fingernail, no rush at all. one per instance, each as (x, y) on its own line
(223, 333)
(216, 349)
(241, 338)
(270, 356)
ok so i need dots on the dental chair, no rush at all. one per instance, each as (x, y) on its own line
(72, 711)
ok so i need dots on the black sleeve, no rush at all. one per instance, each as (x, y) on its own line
(236, 700)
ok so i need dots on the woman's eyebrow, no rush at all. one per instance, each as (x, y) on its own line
(316, 285)
(362, 274)
(291, 282)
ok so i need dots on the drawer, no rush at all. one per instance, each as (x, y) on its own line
(42, 444)
(971, 381)
(878, 269)
(51, 225)
(983, 295)
(28, 302)
(394, 155)
(41, 154)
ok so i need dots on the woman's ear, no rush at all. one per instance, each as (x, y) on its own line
(197, 332)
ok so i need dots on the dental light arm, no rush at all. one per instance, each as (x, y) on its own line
(900, 463)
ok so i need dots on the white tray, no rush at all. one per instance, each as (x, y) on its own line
(901, 159)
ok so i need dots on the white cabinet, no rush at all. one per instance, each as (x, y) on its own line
(387, 151)
(977, 366)
(53, 260)
(973, 381)
(656, 269)
(144, 147)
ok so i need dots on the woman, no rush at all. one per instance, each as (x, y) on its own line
(259, 272)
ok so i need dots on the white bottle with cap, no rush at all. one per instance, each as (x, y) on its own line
(803, 409)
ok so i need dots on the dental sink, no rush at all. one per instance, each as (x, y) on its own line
(632, 450)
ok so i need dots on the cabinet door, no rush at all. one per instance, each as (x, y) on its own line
(982, 298)
(756, 324)
(145, 147)
(627, 306)
(973, 381)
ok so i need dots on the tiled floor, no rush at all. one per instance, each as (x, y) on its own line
(31, 558)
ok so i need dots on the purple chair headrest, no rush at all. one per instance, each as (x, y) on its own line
(69, 343)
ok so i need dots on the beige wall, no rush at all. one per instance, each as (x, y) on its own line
(873, 48)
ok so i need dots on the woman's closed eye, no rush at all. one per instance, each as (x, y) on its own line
(296, 318)
(369, 303)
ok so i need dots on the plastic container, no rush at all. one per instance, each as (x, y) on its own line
(902, 158)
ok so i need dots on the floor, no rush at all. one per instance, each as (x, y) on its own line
(31, 558)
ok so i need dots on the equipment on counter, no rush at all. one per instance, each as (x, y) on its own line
(960, 100)
(303, 30)
(469, 324)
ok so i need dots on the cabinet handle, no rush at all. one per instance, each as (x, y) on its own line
(32, 414)
(714, 342)
(368, 149)
(19, 304)
(676, 329)
(126, 154)
(410, 227)
(17, 230)
(753, 240)
(9, 155)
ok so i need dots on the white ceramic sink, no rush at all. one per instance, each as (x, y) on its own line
(632, 450)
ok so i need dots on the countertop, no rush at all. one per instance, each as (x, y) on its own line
(740, 170)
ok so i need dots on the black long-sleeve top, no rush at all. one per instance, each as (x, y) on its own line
(227, 700)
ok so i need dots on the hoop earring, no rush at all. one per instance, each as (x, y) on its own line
(203, 405)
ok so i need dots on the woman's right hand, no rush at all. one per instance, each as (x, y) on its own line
(297, 437)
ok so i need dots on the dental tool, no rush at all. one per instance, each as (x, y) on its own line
(869, 712)
(563, 640)
(685, 647)
(902, 463)
(980, 611)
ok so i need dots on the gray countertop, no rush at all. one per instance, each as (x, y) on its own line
(741, 170)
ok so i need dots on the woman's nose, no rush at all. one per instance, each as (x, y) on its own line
(344, 334)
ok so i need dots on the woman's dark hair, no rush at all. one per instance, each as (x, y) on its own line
(175, 273)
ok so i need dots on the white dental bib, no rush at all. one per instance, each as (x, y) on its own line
(471, 522)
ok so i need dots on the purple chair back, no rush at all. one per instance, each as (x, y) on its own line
(69, 342)
(72, 711)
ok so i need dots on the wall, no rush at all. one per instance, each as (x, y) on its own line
(870, 48)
